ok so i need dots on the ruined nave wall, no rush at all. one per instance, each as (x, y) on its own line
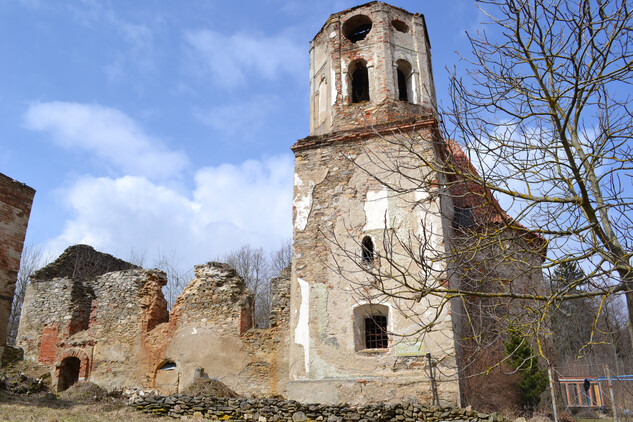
(118, 326)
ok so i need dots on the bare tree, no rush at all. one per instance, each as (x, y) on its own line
(177, 278)
(544, 116)
(281, 258)
(252, 265)
(31, 260)
(545, 130)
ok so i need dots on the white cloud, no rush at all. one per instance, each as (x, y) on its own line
(231, 205)
(231, 60)
(109, 134)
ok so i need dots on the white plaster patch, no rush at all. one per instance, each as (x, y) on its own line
(302, 202)
(302, 331)
(194, 331)
(333, 87)
(377, 210)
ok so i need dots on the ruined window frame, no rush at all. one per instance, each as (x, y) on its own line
(358, 75)
(368, 250)
(357, 28)
(463, 217)
(404, 81)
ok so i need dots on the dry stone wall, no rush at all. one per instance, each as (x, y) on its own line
(269, 410)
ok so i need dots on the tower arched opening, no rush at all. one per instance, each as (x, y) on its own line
(359, 81)
(405, 81)
(357, 27)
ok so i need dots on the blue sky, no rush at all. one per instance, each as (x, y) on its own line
(166, 126)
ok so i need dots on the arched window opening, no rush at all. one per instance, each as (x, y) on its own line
(403, 95)
(360, 82)
(368, 251)
(167, 378)
(168, 366)
(463, 217)
(405, 77)
(371, 327)
(357, 28)
(68, 373)
(400, 26)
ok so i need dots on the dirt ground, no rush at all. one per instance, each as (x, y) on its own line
(39, 408)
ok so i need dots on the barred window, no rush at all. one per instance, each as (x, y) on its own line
(376, 332)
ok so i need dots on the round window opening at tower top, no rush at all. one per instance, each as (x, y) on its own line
(400, 26)
(356, 28)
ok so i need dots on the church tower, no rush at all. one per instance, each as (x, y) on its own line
(361, 198)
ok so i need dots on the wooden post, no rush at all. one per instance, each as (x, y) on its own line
(436, 398)
(610, 385)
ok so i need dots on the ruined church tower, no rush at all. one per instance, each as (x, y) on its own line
(372, 102)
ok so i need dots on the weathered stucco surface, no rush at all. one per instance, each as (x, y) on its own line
(15, 208)
(342, 196)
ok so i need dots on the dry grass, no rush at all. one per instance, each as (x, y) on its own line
(38, 408)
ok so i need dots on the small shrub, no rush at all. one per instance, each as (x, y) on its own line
(533, 381)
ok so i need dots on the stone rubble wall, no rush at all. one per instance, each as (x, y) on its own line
(217, 296)
(267, 410)
(81, 262)
(100, 321)
(118, 325)
(15, 208)
(211, 330)
(280, 299)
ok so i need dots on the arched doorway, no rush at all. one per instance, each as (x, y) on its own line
(167, 377)
(68, 372)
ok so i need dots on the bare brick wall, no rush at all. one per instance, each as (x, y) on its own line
(15, 207)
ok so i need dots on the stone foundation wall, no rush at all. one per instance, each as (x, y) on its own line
(15, 208)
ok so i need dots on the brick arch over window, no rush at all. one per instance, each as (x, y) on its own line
(84, 368)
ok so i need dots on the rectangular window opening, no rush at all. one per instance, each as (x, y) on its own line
(376, 332)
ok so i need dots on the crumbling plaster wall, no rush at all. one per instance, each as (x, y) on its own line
(15, 207)
(118, 325)
(338, 201)
(210, 331)
(205, 326)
